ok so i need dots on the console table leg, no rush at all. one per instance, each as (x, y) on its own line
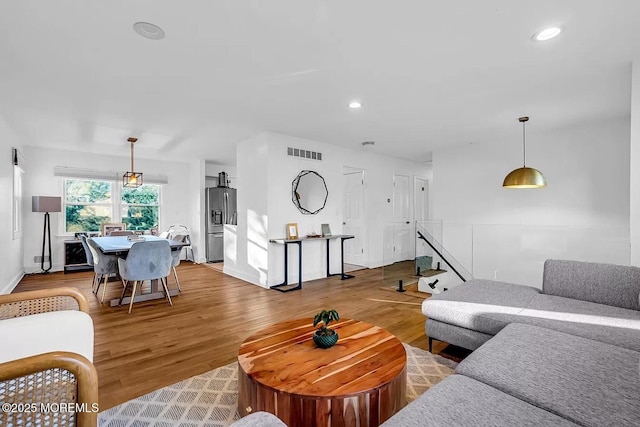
(286, 264)
(343, 275)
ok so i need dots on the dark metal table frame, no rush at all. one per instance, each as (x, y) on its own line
(298, 242)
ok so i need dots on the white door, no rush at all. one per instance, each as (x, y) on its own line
(403, 241)
(421, 197)
(421, 207)
(353, 216)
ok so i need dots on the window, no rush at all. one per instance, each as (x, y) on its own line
(88, 203)
(139, 209)
(18, 175)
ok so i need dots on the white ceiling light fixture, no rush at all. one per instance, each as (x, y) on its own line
(354, 105)
(547, 33)
(149, 31)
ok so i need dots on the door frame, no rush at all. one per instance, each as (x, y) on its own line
(409, 251)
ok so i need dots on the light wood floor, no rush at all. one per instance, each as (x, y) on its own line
(158, 345)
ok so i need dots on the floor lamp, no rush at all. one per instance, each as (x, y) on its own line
(46, 204)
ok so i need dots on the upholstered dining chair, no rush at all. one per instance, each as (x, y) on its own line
(103, 267)
(89, 256)
(146, 261)
(175, 254)
(175, 261)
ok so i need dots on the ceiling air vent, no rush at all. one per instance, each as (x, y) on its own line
(304, 154)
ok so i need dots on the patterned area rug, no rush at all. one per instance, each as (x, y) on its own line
(210, 399)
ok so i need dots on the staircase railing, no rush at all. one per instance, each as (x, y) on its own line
(453, 264)
(421, 236)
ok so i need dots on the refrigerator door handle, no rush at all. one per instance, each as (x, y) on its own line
(225, 208)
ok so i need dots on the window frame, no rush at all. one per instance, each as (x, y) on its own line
(116, 205)
(18, 192)
(122, 204)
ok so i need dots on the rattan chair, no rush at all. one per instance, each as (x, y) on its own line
(46, 380)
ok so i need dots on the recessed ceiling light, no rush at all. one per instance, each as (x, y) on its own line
(355, 105)
(546, 34)
(149, 31)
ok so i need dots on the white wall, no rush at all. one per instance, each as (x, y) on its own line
(586, 202)
(282, 171)
(196, 209)
(246, 253)
(634, 158)
(10, 248)
(266, 171)
(179, 198)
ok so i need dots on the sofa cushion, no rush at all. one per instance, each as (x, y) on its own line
(46, 332)
(605, 323)
(259, 419)
(615, 285)
(480, 305)
(588, 382)
(462, 401)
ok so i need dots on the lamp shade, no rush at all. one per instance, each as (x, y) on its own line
(46, 204)
(524, 178)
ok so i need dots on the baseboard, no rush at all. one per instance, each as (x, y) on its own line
(376, 263)
(243, 276)
(12, 284)
(35, 269)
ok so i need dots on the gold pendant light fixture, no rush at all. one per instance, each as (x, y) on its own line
(524, 177)
(132, 179)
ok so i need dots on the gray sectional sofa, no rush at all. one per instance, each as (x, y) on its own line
(591, 300)
(532, 376)
(564, 356)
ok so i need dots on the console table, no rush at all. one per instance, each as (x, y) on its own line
(298, 242)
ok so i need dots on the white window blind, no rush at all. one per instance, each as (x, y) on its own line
(69, 172)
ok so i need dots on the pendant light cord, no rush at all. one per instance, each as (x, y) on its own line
(132, 169)
(524, 146)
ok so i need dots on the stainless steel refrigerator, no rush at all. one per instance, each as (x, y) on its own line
(221, 209)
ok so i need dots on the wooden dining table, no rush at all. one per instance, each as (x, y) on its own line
(120, 245)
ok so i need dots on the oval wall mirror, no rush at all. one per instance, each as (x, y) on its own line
(309, 192)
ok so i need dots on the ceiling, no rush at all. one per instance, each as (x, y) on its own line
(75, 75)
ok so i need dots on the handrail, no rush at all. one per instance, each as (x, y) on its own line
(420, 235)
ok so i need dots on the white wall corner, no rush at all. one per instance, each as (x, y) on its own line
(255, 280)
(12, 284)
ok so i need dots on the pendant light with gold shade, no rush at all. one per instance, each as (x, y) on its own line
(524, 177)
(131, 178)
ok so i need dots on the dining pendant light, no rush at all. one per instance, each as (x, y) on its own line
(524, 177)
(131, 178)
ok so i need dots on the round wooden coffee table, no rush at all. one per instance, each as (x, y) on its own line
(361, 381)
